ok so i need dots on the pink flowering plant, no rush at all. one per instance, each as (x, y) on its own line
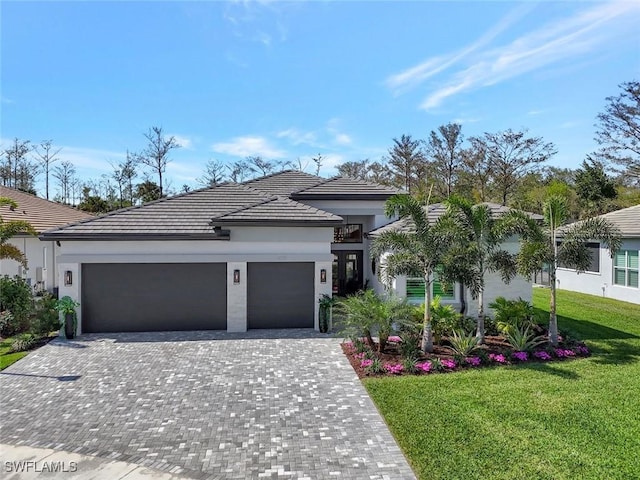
(521, 356)
(473, 361)
(542, 355)
(394, 368)
(497, 357)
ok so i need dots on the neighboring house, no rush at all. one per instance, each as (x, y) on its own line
(455, 295)
(42, 215)
(615, 277)
(230, 257)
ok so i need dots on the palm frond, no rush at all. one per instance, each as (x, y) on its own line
(555, 211)
(14, 227)
(11, 252)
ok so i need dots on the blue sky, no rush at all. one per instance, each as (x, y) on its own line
(291, 80)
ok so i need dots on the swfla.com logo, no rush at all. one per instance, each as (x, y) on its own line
(40, 467)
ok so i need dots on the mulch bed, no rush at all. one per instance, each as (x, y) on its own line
(493, 346)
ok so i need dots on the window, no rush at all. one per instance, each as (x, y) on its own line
(594, 253)
(415, 289)
(625, 268)
(350, 233)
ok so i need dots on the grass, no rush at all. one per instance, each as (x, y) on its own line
(6, 356)
(562, 420)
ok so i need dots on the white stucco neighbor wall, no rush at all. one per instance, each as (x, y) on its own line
(40, 258)
(600, 283)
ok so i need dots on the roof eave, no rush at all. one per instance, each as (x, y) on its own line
(278, 223)
(341, 196)
(62, 236)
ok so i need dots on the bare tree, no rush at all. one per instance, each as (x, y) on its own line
(445, 149)
(512, 155)
(213, 173)
(619, 129)
(477, 168)
(47, 156)
(156, 154)
(123, 175)
(379, 172)
(65, 174)
(318, 160)
(355, 169)
(17, 171)
(299, 165)
(239, 170)
(406, 162)
(260, 165)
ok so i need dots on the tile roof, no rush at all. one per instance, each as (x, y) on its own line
(627, 220)
(40, 213)
(196, 215)
(284, 183)
(345, 188)
(278, 210)
(267, 200)
(436, 210)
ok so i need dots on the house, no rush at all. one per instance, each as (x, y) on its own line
(615, 277)
(457, 295)
(42, 215)
(232, 257)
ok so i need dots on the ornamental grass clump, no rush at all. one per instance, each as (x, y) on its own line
(375, 366)
(522, 340)
(462, 344)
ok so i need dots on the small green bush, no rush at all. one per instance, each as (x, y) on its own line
(409, 345)
(45, 316)
(22, 343)
(512, 314)
(376, 366)
(15, 296)
(410, 365)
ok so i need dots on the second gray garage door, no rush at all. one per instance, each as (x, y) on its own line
(146, 297)
(280, 295)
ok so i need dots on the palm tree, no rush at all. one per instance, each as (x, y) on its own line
(555, 244)
(10, 229)
(417, 250)
(480, 251)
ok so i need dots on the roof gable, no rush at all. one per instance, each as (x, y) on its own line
(627, 220)
(40, 213)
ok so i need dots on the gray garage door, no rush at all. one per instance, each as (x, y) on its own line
(280, 295)
(144, 297)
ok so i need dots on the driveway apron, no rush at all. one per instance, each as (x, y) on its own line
(263, 404)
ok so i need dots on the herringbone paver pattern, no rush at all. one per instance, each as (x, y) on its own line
(265, 404)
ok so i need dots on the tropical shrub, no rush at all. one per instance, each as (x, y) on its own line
(45, 316)
(512, 314)
(15, 296)
(366, 313)
(522, 340)
(444, 319)
(463, 344)
(409, 345)
(23, 342)
(410, 365)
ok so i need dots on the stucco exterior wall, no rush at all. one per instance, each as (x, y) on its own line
(41, 262)
(600, 283)
(247, 244)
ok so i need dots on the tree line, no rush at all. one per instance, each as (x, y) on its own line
(506, 167)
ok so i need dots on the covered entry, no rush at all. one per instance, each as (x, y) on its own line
(145, 297)
(280, 295)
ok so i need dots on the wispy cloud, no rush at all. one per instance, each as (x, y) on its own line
(246, 146)
(257, 21)
(183, 141)
(338, 136)
(414, 76)
(5, 100)
(298, 137)
(555, 42)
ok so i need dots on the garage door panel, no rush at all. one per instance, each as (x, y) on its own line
(153, 297)
(280, 295)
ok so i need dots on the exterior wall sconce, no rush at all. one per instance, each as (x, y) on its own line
(236, 276)
(68, 277)
(323, 276)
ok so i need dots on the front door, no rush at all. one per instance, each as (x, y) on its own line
(347, 272)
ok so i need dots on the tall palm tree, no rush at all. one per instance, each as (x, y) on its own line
(10, 229)
(555, 244)
(417, 250)
(480, 250)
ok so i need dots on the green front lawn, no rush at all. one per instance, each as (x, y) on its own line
(559, 420)
(6, 356)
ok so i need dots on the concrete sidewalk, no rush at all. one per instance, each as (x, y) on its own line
(18, 463)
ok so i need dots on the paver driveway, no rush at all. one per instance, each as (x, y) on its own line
(266, 404)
